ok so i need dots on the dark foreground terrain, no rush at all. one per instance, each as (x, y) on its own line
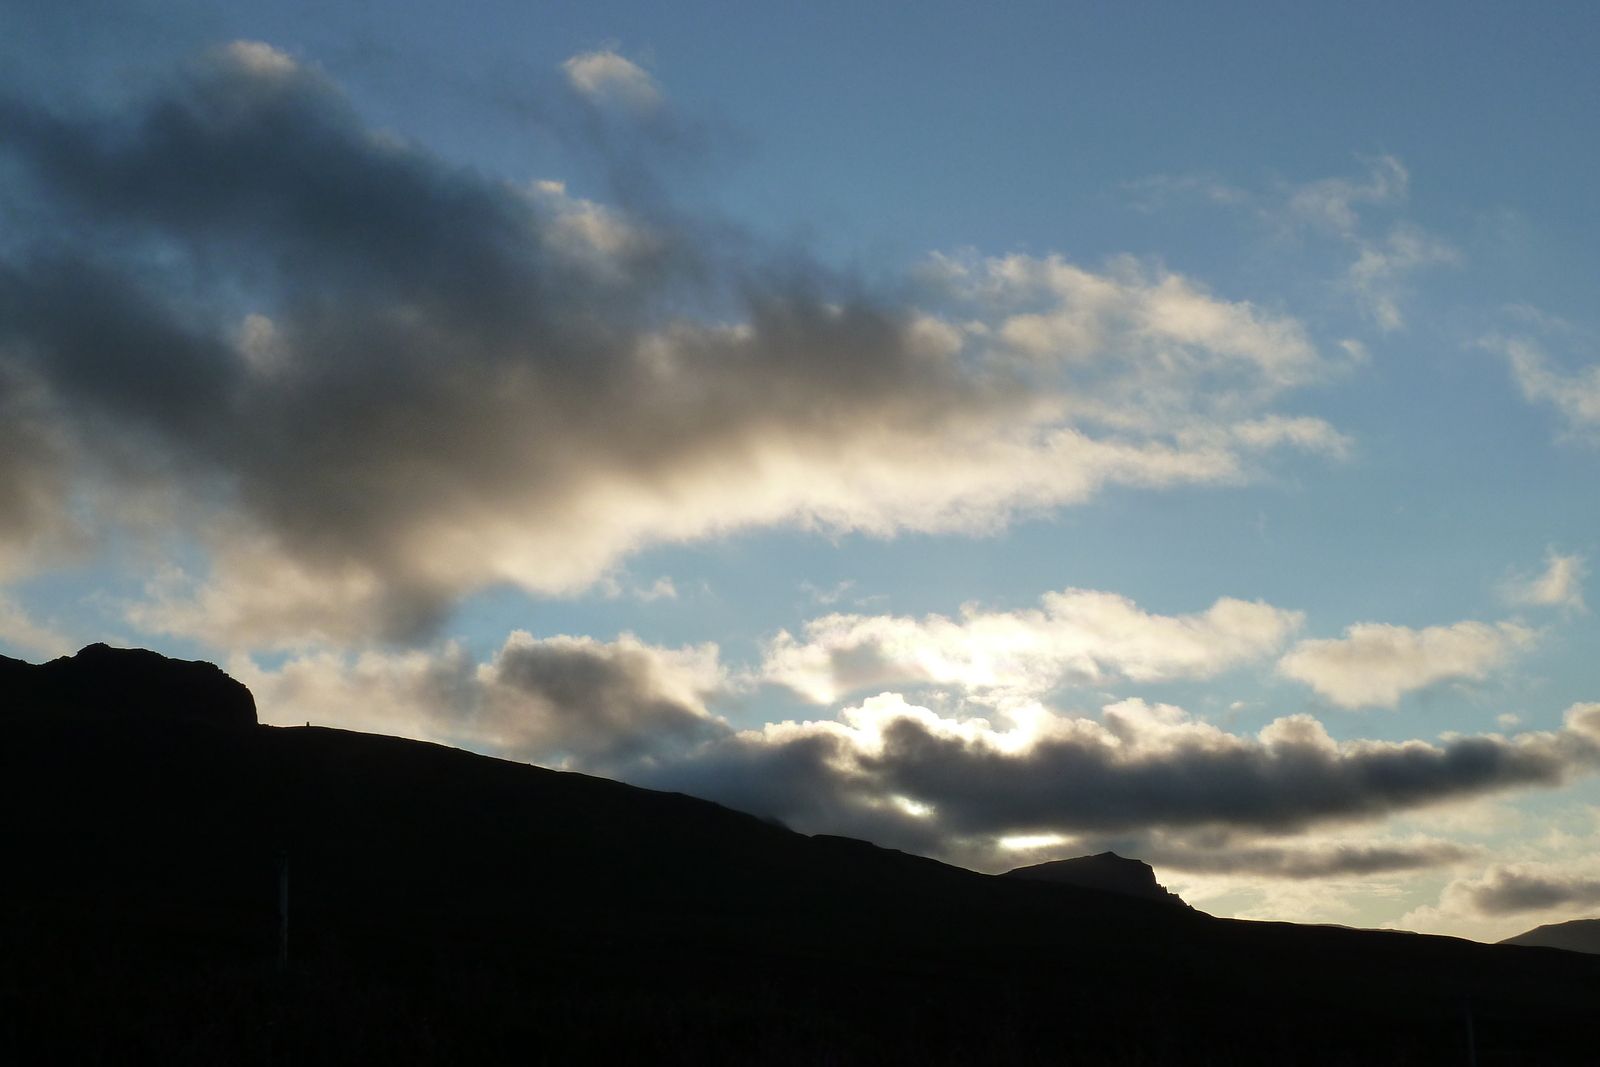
(450, 908)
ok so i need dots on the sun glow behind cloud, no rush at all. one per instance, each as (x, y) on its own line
(507, 392)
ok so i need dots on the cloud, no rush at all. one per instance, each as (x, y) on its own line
(1329, 204)
(1333, 209)
(1375, 664)
(1575, 395)
(1376, 277)
(1510, 889)
(1315, 860)
(557, 700)
(1189, 794)
(1079, 637)
(904, 775)
(363, 382)
(827, 596)
(604, 76)
(1561, 584)
(37, 457)
(1223, 856)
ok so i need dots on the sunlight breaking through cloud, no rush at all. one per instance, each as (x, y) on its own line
(364, 383)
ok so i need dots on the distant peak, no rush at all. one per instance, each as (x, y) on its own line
(1106, 871)
(126, 683)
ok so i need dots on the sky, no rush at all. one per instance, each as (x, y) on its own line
(999, 434)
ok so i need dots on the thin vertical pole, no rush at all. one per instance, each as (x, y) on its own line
(283, 911)
(1472, 1039)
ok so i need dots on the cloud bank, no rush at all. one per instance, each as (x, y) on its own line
(364, 382)
(911, 774)
(950, 784)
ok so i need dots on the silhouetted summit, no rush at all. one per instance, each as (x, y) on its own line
(1579, 935)
(1107, 871)
(101, 681)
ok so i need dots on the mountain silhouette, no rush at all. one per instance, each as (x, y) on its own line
(1106, 871)
(449, 907)
(105, 682)
(1578, 935)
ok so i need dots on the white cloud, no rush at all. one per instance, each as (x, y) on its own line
(1377, 275)
(259, 59)
(1575, 395)
(605, 76)
(1078, 637)
(1561, 584)
(602, 242)
(1375, 664)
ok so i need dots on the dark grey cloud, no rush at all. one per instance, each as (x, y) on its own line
(1512, 889)
(916, 778)
(35, 468)
(569, 701)
(1295, 861)
(602, 705)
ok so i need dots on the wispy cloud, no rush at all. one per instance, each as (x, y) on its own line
(1378, 276)
(1574, 394)
(1560, 586)
(1338, 209)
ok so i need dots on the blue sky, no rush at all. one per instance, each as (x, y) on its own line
(998, 434)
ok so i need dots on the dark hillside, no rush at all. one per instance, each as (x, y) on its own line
(1577, 935)
(448, 907)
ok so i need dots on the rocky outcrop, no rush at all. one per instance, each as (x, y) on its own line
(1107, 871)
(105, 682)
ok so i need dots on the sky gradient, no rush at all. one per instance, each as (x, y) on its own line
(1000, 436)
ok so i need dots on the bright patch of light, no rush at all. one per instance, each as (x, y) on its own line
(912, 807)
(1024, 842)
